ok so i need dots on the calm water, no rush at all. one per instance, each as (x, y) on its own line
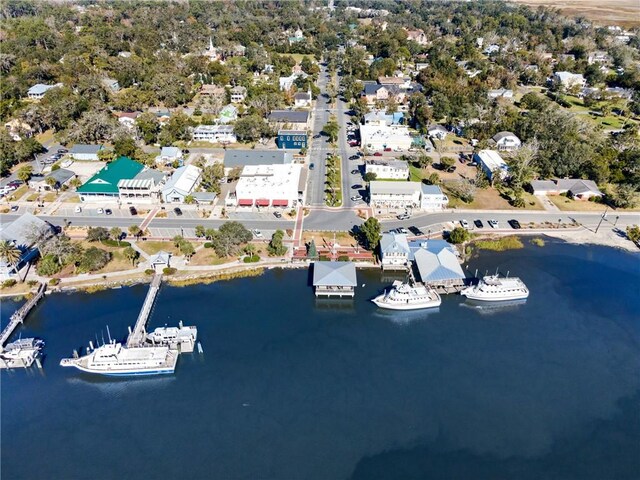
(294, 388)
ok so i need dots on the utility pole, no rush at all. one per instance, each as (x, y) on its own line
(604, 215)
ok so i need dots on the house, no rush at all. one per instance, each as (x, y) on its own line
(213, 91)
(388, 169)
(23, 233)
(287, 83)
(394, 251)
(506, 141)
(334, 279)
(576, 188)
(39, 89)
(493, 48)
(296, 37)
(491, 162)
(110, 84)
(374, 92)
(160, 261)
(500, 93)
(269, 185)
(103, 186)
(438, 266)
(381, 118)
(215, 134)
(143, 188)
(181, 184)
(228, 114)
(394, 194)
(238, 94)
(599, 56)
(240, 158)
(417, 36)
(127, 119)
(437, 131)
(293, 139)
(85, 152)
(432, 198)
(302, 99)
(61, 176)
(18, 129)
(168, 155)
(295, 119)
(396, 137)
(569, 80)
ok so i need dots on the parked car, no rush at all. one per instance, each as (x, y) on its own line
(416, 231)
(354, 157)
(63, 150)
(356, 186)
(311, 166)
(15, 183)
(177, 211)
(257, 233)
(388, 149)
(515, 224)
(108, 211)
(132, 210)
(277, 214)
(403, 230)
(493, 223)
(403, 216)
(100, 211)
(377, 154)
(478, 223)
(78, 209)
(14, 208)
(355, 172)
(464, 224)
(356, 198)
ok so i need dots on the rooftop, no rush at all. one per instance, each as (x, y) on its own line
(184, 178)
(398, 188)
(24, 229)
(342, 274)
(437, 263)
(289, 116)
(394, 243)
(239, 158)
(80, 148)
(106, 180)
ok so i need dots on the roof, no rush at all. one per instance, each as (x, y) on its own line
(372, 87)
(61, 175)
(40, 88)
(380, 187)
(204, 196)
(433, 245)
(106, 180)
(302, 96)
(239, 158)
(161, 257)
(342, 274)
(170, 152)
(394, 243)
(390, 81)
(492, 160)
(397, 164)
(437, 128)
(436, 263)
(149, 173)
(500, 135)
(431, 189)
(292, 132)
(289, 116)
(85, 149)
(24, 229)
(543, 185)
(184, 179)
(578, 186)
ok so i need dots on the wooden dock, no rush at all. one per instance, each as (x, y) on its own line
(137, 336)
(19, 315)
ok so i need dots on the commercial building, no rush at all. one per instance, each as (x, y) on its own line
(85, 152)
(294, 119)
(394, 251)
(241, 158)
(576, 188)
(103, 186)
(292, 139)
(388, 169)
(394, 194)
(181, 184)
(145, 187)
(438, 266)
(282, 185)
(61, 176)
(432, 198)
(214, 134)
(379, 137)
(334, 279)
(491, 163)
(22, 233)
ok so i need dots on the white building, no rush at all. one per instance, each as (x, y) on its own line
(169, 155)
(214, 134)
(39, 89)
(238, 94)
(379, 137)
(506, 141)
(85, 152)
(394, 194)
(388, 169)
(286, 83)
(181, 184)
(302, 99)
(437, 131)
(568, 79)
(432, 198)
(490, 161)
(145, 187)
(269, 186)
(500, 93)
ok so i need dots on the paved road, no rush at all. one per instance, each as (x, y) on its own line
(37, 163)
(319, 146)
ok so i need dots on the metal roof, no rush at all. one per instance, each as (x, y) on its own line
(394, 243)
(136, 183)
(289, 116)
(106, 180)
(240, 158)
(24, 229)
(61, 175)
(184, 179)
(431, 189)
(85, 149)
(500, 135)
(341, 274)
(381, 187)
(437, 264)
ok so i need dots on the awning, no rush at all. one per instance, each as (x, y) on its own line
(262, 202)
(245, 202)
(280, 203)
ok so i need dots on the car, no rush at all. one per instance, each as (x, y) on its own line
(132, 210)
(402, 230)
(177, 211)
(355, 172)
(356, 198)
(388, 149)
(354, 157)
(377, 154)
(493, 223)
(100, 211)
(464, 223)
(257, 233)
(316, 136)
(403, 216)
(108, 211)
(14, 208)
(277, 214)
(15, 183)
(311, 166)
(515, 224)
(356, 186)
(78, 209)
(63, 150)
(353, 143)
(416, 231)
(478, 223)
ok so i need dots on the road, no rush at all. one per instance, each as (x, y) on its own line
(319, 144)
(37, 164)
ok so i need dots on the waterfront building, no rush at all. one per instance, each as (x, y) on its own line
(24, 233)
(275, 185)
(438, 266)
(160, 261)
(394, 251)
(334, 279)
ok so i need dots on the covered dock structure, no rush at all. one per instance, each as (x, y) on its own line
(334, 279)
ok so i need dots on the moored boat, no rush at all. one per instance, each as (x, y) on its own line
(407, 296)
(493, 288)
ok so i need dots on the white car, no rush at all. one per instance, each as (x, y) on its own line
(257, 233)
(493, 223)
(100, 211)
(356, 198)
(464, 224)
(78, 209)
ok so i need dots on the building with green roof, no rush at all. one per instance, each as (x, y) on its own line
(104, 184)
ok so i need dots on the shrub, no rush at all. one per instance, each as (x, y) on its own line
(9, 283)
(169, 271)
(149, 271)
(343, 258)
(458, 235)
(48, 265)
(93, 259)
(251, 259)
(208, 245)
(54, 281)
(32, 283)
(323, 258)
(114, 243)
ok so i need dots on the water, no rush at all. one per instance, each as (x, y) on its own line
(293, 388)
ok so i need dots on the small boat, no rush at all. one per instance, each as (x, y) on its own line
(407, 296)
(175, 337)
(493, 288)
(21, 353)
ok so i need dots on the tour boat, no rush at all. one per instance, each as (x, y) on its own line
(493, 288)
(174, 337)
(405, 296)
(21, 353)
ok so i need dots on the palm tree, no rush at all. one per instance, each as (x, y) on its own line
(134, 230)
(116, 232)
(10, 253)
(131, 254)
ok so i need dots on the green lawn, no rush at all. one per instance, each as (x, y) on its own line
(299, 56)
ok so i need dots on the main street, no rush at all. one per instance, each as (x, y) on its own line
(319, 145)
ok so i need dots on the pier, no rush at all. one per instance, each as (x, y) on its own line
(20, 314)
(137, 336)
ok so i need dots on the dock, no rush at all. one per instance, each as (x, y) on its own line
(137, 336)
(19, 315)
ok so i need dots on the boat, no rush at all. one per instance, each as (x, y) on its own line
(407, 296)
(174, 337)
(114, 359)
(21, 353)
(493, 288)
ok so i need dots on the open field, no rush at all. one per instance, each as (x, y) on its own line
(614, 12)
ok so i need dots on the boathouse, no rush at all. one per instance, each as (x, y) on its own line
(438, 267)
(334, 279)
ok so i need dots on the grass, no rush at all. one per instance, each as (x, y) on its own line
(213, 277)
(207, 256)
(49, 197)
(17, 194)
(321, 237)
(490, 199)
(538, 242)
(567, 204)
(500, 244)
(298, 56)
(117, 263)
(151, 247)
(33, 197)
(416, 174)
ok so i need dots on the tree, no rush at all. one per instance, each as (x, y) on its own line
(433, 179)
(177, 128)
(135, 231)
(200, 231)
(463, 189)
(148, 126)
(52, 183)
(228, 237)
(458, 235)
(93, 259)
(276, 247)
(633, 233)
(10, 253)
(331, 129)
(24, 173)
(186, 249)
(370, 231)
(624, 196)
(97, 234)
(370, 176)
(131, 253)
(124, 146)
(116, 233)
(48, 265)
(251, 128)
(447, 162)
(177, 240)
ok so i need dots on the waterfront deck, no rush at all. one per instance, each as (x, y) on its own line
(137, 336)
(19, 315)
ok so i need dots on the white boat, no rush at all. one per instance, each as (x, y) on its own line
(21, 353)
(405, 296)
(493, 288)
(114, 359)
(174, 337)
